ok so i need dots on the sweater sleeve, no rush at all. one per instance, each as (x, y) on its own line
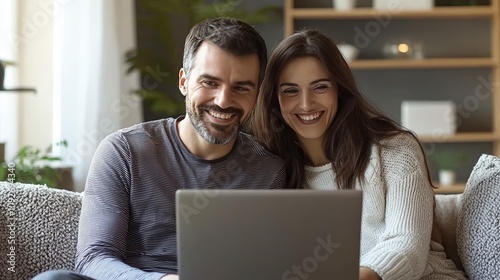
(104, 216)
(402, 248)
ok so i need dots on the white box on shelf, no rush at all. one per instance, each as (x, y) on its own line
(344, 5)
(398, 5)
(429, 118)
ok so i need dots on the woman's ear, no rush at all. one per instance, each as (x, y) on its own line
(182, 81)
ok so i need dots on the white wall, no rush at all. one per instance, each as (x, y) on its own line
(9, 101)
(35, 70)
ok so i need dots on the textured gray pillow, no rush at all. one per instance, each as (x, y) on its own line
(43, 223)
(478, 228)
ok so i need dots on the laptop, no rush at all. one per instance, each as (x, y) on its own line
(268, 234)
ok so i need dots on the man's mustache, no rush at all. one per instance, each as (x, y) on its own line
(230, 110)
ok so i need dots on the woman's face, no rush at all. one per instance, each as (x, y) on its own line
(308, 98)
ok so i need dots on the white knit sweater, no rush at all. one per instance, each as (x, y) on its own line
(397, 208)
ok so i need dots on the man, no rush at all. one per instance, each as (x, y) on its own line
(127, 224)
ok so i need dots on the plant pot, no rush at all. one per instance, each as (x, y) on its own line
(447, 177)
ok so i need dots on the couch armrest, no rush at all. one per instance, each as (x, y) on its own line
(447, 210)
(40, 225)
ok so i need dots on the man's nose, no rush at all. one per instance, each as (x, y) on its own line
(223, 97)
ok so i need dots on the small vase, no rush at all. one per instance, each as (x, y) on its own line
(446, 177)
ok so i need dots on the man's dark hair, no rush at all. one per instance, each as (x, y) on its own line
(231, 35)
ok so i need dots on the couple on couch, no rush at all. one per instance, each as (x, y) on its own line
(310, 128)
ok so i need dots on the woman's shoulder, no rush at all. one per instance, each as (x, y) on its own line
(400, 138)
(401, 150)
(400, 142)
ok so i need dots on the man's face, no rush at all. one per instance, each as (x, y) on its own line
(220, 91)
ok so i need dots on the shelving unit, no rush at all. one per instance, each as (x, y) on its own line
(457, 188)
(490, 13)
(422, 63)
(364, 13)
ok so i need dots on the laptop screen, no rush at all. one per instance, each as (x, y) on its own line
(268, 234)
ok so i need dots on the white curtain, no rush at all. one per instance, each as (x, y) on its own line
(92, 90)
(9, 48)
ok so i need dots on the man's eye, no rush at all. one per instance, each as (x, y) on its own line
(241, 89)
(209, 83)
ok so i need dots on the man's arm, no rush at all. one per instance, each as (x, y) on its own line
(104, 216)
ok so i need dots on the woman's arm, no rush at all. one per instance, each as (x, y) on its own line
(407, 207)
(367, 274)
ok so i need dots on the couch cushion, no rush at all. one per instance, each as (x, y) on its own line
(39, 225)
(478, 227)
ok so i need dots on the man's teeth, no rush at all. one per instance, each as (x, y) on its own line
(309, 117)
(220, 115)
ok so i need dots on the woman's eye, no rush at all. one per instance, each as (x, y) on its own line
(321, 88)
(289, 91)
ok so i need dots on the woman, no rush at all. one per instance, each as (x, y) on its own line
(311, 113)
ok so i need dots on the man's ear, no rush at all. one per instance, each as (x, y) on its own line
(182, 81)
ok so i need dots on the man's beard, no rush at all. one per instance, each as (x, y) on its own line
(213, 133)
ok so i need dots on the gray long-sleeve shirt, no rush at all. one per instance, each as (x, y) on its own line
(127, 225)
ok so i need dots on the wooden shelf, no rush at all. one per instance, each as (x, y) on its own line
(295, 17)
(453, 189)
(367, 13)
(472, 62)
(461, 137)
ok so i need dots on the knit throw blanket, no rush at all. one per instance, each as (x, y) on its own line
(478, 227)
(38, 229)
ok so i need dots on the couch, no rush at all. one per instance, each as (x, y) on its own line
(39, 226)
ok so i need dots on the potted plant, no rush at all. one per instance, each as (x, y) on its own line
(36, 166)
(159, 59)
(447, 162)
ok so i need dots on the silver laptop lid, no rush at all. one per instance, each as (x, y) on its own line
(268, 234)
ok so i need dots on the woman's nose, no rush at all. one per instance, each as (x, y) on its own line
(306, 101)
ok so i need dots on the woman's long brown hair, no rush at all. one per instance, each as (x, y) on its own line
(356, 127)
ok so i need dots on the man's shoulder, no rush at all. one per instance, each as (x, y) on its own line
(149, 129)
(140, 134)
(262, 168)
(249, 143)
(149, 126)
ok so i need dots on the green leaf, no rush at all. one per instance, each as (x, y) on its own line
(448, 159)
(3, 172)
(49, 158)
(161, 102)
(166, 21)
(32, 165)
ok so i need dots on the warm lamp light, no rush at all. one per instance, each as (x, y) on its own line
(403, 48)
